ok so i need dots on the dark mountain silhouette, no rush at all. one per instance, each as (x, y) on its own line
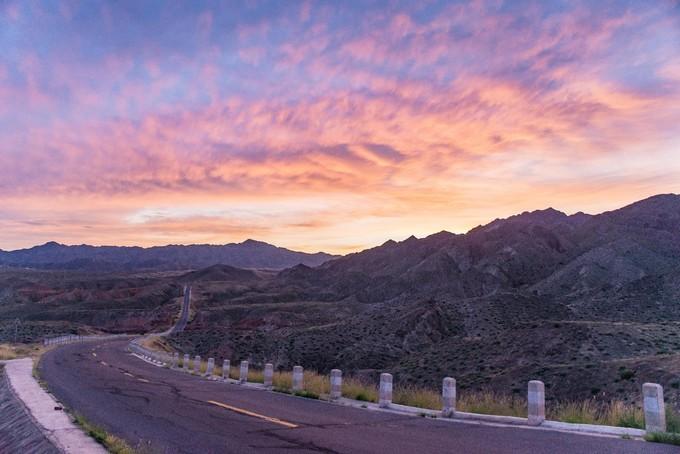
(543, 252)
(249, 254)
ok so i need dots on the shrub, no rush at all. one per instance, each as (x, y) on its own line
(626, 374)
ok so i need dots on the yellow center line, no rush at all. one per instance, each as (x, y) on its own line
(129, 375)
(143, 380)
(254, 415)
(104, 363)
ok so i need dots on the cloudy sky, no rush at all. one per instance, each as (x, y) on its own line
(327, 125)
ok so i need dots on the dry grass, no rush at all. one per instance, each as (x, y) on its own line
(359, 389)
(156, 343)
(490, 403)
(14, 351)
(283, 381)
(235, 372)
(203, 366)
(112, 443)
(255, 375)
(317, 384)
(614, 413)
(415, 396)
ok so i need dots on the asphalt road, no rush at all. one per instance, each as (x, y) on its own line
(170, 412)
(184, 313)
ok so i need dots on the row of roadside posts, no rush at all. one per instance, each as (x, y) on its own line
(653, 401)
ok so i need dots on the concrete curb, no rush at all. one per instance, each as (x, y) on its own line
(56, 425)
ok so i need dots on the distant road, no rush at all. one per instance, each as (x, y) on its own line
(184, 313)
(173, 412)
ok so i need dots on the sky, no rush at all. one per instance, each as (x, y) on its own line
(327, 125)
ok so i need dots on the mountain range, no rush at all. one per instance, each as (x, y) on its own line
(248, 254)
(590, 304)
(579, 301)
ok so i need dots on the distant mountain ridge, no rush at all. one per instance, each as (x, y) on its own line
(543, 252)
(248, 254)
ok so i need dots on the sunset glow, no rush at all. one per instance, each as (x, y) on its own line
(327, 125)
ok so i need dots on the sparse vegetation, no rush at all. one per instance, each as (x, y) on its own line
(615, 413)
(664, 437)
(283, 380)
(416, 396)
(14, 351)
(112, 443)
(358, 389)
(306, 394)
(672, 420)
(491, 403)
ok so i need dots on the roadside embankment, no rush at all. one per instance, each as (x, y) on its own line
(46, 414)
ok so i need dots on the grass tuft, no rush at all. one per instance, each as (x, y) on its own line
(112, 443)
(359, 389)
(316, 384)
(664, 437)
(283, 380)
(306, 394)
(672, 420)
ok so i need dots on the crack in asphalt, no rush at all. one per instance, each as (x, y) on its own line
(297, 444)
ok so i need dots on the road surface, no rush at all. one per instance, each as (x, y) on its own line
(184, 313)
(172, 412)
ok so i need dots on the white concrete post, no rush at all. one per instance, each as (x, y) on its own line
(210, 367)
(298, 375)
(243, 375)
(185, 362)
(385, 390)
(655, 409)
(448, 397)
(175, 360)
(268, 375)
(197, 364)
(226, 367)
(336, 384)
(536, 397)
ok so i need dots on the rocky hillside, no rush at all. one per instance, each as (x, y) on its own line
(249, 254)
(588, 303)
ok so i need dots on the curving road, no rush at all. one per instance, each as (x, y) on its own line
(171, 412)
